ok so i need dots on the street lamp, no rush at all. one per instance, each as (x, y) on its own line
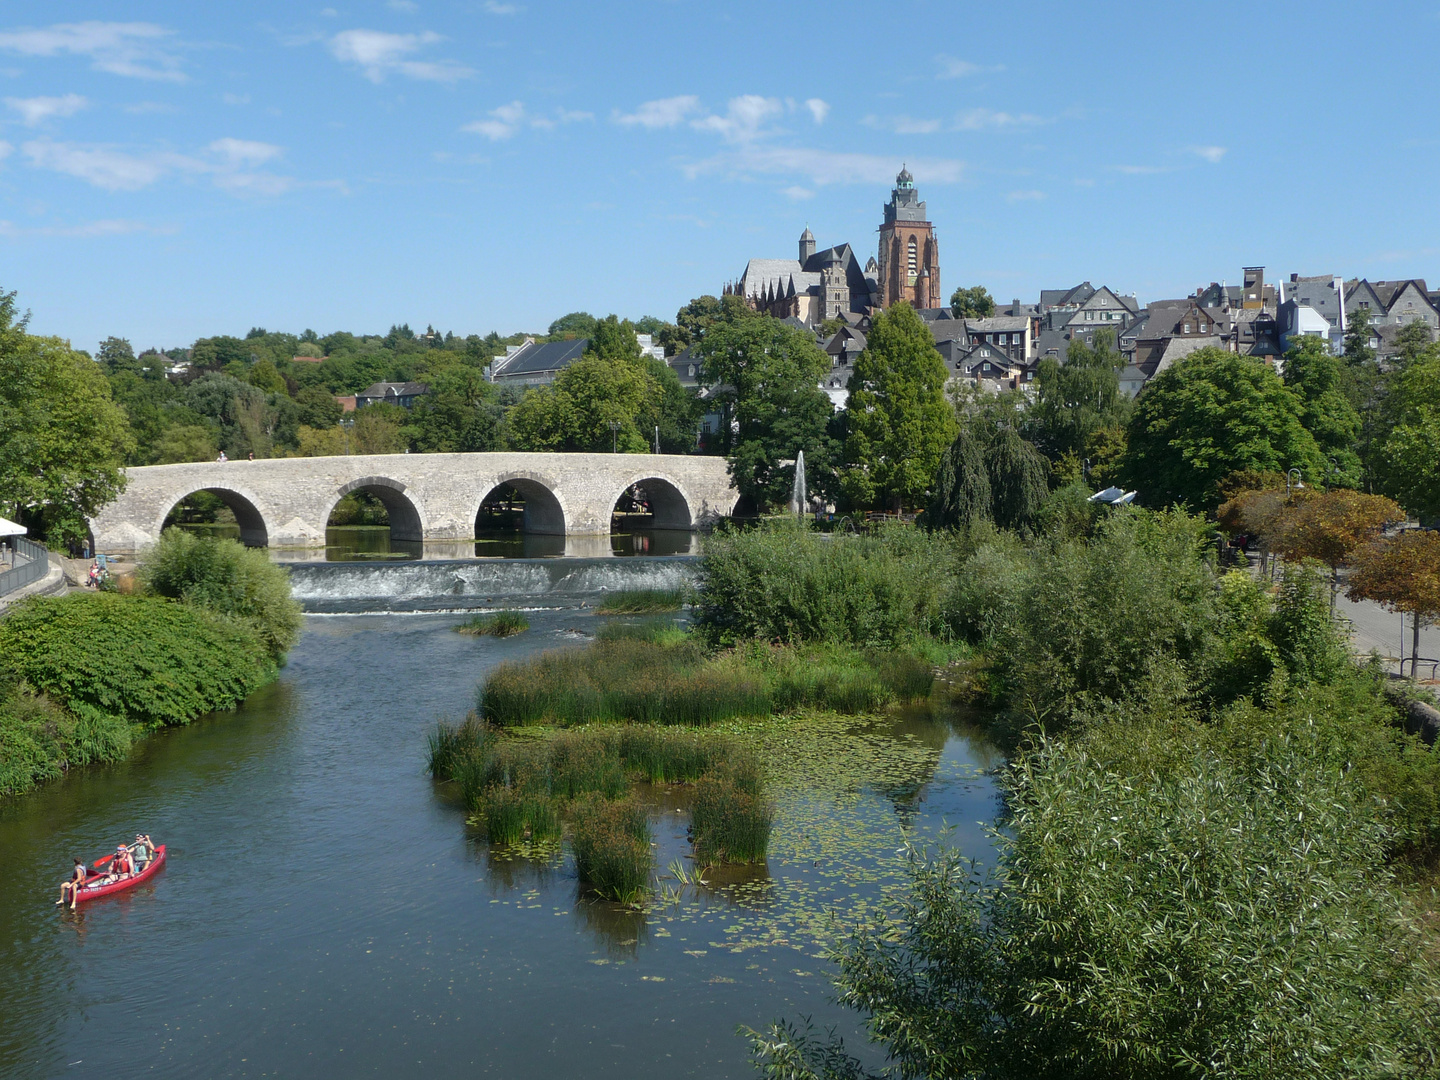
(347, 425)
(1292, 484)
(614, 436)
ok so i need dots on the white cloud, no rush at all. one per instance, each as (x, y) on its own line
(5, 149)
(818, 109)
(1141, 170)
(379, 54)
(402, 5)
(230, 164)
(980, 119)
(1025, 196)
(36, 110)
(106, 227)
(825, 166)
(951, 68)
(1212, 154)
(329, 12)
(500, 9)
(243, 152)
(664, 113)
(503, 122)
(235, 99)
(796, 192)
(136, 49)
(743, 117)
(909, 125)
(508, 119)
(142, 107)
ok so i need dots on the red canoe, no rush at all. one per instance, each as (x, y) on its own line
(96, 886)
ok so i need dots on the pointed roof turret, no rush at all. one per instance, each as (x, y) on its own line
(904, 179)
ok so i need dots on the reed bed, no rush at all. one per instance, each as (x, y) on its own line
(730, 820)
(611, 841)
(649, 674)
(496, 624)
(644, 601)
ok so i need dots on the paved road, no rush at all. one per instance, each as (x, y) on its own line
(1372, 627)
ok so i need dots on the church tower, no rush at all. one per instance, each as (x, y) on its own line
(807, 246)
(909, 257)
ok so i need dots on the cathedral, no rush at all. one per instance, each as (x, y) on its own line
(831, 284)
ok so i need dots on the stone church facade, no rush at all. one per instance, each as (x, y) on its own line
(830, 284)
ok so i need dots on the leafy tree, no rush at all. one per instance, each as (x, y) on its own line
(1078, 399)
(185, 442)
(318, 407)
(117, 355)
(1366, 384)
(613, 340)
(62, 438)
(237, 408)
(1330, 526)
(218, 353)
(1408, 463)
(378, 429)
(1019, 479)
(1211, 414)
(989, 475)
(461, 414)
(899, 420)
(1198, 919)
(696, 318)
(264, 375)
(577, 324)
(1403, 574)
(765, 380)
(321, 442)
(1314, 374)
(962, 484)
(972, 303)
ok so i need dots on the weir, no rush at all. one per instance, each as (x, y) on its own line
(339, 588)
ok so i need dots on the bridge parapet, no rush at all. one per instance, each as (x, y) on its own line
(286, 502)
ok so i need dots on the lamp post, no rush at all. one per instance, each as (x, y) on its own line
(614, 436)
(347, 425)
(1292, 481)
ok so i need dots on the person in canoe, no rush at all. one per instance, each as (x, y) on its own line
(142, 851)
(70, 889)
(121, 864)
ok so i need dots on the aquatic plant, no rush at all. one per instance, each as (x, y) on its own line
(729, 817)
(656, 630)
(449, 741)
(611, 841)
(643, 601)
(510, 815)
(498, 624)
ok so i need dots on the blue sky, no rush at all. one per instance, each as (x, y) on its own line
(172, 170)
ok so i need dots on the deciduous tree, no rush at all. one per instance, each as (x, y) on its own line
(1314, 374)
(1080, 397)
(62, 438)
(972, 303)
(1401, 573)
(1211, 414)
(1329, 526)
(899, 420)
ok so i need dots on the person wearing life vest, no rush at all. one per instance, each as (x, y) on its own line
(70, 889)
(122, 865)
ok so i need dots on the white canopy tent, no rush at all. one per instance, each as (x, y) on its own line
(9, 528)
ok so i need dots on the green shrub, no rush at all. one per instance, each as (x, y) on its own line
(785, 584)
(611, 841)
(1210, 919)
(141, 660)
(498, 624)
(227, 578)
(643, 601)
(39, 740)
(449, 742)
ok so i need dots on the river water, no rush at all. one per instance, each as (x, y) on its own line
(326, 912)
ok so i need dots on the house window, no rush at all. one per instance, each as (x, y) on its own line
(1185, 329)
(1202, 328)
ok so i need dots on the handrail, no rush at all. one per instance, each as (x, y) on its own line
(27, 573)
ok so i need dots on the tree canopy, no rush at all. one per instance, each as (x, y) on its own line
(972, 303)
(1314, 374)
(900, 422)
(63, 439)
(1212, 414)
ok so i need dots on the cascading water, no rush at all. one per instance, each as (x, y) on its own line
(334, 588)
(799, 500)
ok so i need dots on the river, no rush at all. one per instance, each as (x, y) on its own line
(325, 911)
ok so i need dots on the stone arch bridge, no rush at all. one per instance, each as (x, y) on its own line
(286, 502)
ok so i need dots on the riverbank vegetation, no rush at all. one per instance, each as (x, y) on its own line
(643, 601)
(82, 677)
(495, 624)
(1215, 819)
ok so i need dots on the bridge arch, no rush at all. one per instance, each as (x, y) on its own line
(254, 530)
(544, 510)
(667, 504)
(407, 519)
